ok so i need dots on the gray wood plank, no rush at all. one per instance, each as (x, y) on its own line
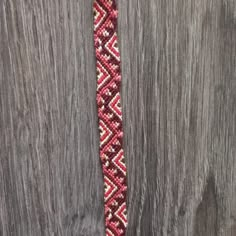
(51, 181)
(178, 97)
(179, 60)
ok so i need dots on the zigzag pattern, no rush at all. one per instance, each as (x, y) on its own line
(110, 116)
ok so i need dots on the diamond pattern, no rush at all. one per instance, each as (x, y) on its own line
(102, 75)
(115, 105)
(110, 188)
(112, 47)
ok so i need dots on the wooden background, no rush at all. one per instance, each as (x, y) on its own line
(179, 104)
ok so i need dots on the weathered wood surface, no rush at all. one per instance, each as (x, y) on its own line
(179, 104)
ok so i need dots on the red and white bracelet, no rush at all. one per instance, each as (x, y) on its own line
(110, 116)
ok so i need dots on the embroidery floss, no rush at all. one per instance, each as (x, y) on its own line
(110, 116)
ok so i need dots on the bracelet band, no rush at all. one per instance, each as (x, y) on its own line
(110, 116)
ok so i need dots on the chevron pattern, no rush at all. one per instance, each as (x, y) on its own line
(110, 116)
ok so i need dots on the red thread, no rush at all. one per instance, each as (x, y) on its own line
(110, 116)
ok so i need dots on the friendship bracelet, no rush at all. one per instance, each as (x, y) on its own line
(110, 116)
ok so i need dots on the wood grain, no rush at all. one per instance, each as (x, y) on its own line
(178, 98)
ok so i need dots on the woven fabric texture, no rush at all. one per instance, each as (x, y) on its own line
(110, 116)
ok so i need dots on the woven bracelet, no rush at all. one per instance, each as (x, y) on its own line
(110, 116)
